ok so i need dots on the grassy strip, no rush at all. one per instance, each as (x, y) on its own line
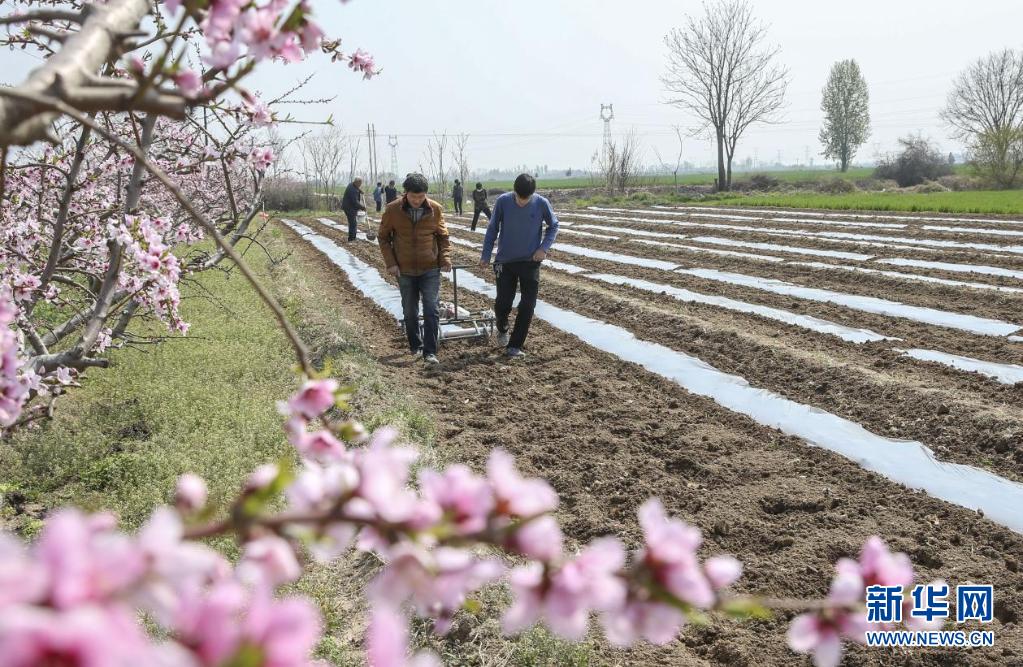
(206, 404)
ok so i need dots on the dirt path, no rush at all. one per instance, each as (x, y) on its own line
(609, 435)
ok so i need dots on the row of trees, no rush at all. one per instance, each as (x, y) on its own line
(721, 70)
(329, 159)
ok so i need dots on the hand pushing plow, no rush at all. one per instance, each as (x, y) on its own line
(456, 322)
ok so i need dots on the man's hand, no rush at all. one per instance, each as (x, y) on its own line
(484, 264)
(394, 270)
(446, 266)
(539, 255)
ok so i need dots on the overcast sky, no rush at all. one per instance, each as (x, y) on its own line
(526, 79)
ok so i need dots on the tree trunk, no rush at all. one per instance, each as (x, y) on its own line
(724, 182)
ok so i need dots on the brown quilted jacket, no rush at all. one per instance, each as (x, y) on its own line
(414, 248)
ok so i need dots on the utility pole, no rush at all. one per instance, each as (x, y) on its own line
(607, 114)
(392, 141)
(376, 158)
(369, 142)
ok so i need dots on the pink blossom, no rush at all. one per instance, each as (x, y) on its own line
(261, 158)
(722, 571)
(319, 486)
(809, 633)
(190, 494)
(286, 630)
(515, 495)
(311, 35)
(538, 538)
(85, 636)
(269, 559)
(387, 641)
(655, 622)
(383, 478)
(880, 567)
(22, 579)
(313, 398)
(670, 554)
(437, 581)
(86, 559)
(465, 497)
(590, 582)
(262, 477)
(360, 61)
(189, 82)
(320, 446)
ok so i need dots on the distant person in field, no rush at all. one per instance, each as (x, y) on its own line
(378, 195)
(351, 204)
(517, 226)
(479, 204)
(457, 194)
(390, 192)
(414, 241)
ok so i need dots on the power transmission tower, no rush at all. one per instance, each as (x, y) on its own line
(392, 141)
(607, 114)
(376, 158)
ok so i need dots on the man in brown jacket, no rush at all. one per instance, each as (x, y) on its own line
(414, 242)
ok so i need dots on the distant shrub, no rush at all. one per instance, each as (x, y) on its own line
(919, 161)
(837, 186)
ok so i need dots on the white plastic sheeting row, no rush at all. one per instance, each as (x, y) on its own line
(848, 236)
(943, 318)
(711, 251)
(903, 461)
(792, 218)
(1005, 373)
(911, 276)
(970, 323)
(856, 216)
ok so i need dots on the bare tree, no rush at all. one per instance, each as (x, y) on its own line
(678, 161)
(846, 106)
(627, 159)
(322, 157)
(354, 149)
(719, 70)
(985, 111)
(435, 149)
(617, 165)
(461, 157)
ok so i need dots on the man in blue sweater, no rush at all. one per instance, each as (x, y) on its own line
(518, 226)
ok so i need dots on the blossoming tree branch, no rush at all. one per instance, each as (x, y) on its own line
(147, 152)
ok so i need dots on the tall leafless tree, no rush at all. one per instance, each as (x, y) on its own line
(678, 161)
(617, 165)
(323, 155)
(985, 111)
(462, 157)
(435, 149)
(354, 149)
(720, 70)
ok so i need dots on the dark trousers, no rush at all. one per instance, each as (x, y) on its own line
(379, 204)
(458, 205)
(351, 224)
(526, 277)
(476, 214)
(426, 286)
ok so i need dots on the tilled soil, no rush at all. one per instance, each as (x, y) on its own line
(609, 435)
